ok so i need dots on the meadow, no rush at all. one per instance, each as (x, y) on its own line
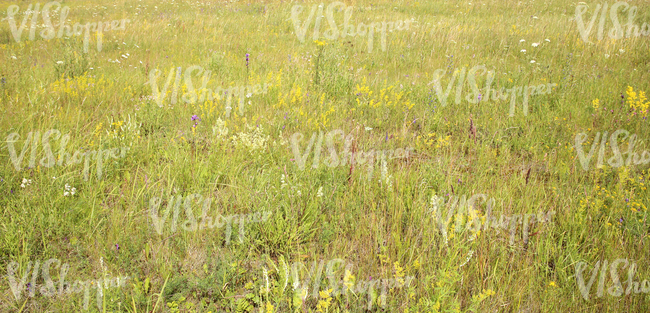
(179, 116)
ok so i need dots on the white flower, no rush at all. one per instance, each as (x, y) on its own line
(26, 182)
(59, 62)
(606, 55)
(220, 129)
(13, 57)
(532, 61)
(69, 191)
(522, 40)
(283, 183)
(253, 140)
(523, 50)
(248, 95)
(471, 253)
(124, 56)
(535, 17)
(320, 192)
(621, 50)
(535, 44)
(368, 128)
(547, 40)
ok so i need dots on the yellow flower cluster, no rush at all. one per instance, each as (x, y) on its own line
(326, 301)
(80, 86)
(483, 295)
(637, 103)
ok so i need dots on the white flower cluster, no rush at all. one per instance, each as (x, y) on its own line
(220, 129)
(293, 188)
(26, 182)
(69, 191)
(253, 140)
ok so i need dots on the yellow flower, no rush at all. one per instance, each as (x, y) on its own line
(269, 307)
(595, 103)
(552, 284)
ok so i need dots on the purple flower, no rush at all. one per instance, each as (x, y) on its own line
(117, 246)
(195, 117)
(247, 60)
(479, 97)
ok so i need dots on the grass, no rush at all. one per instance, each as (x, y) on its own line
(384, 100)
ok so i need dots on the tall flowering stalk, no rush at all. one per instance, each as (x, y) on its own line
(247, 73)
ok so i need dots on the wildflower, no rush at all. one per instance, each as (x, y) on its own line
(368, 128)
(59, 62)
(547, 40)
(69, 191)
(595, 103)
(532, 61)
(535, 44)
(320, 192)
(522, 40)
(471, 253)
(26, 182)
(552, 284)
(220, 129)
(194, 118)
(523, 50)
(247, 60)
